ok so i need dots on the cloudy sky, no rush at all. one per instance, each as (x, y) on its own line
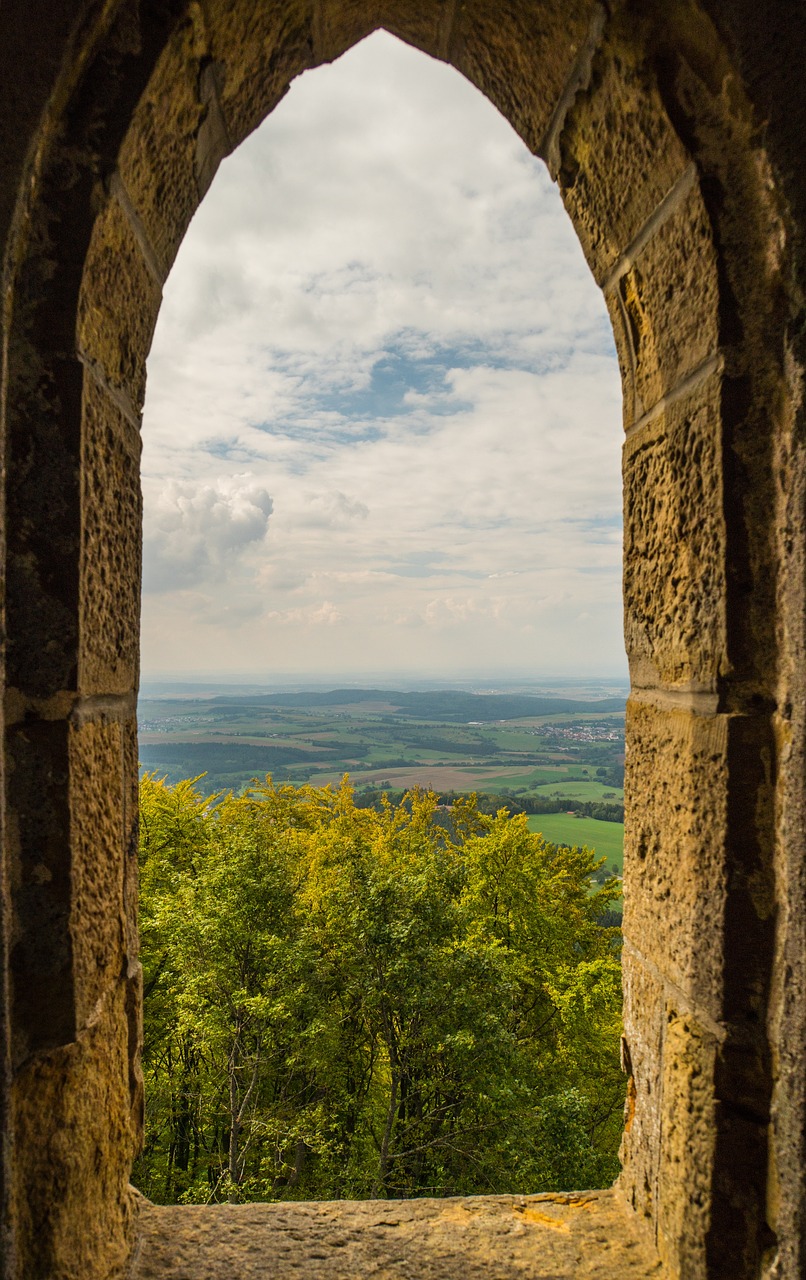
(382, 427)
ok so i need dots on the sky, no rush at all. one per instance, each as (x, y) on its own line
(383, 417)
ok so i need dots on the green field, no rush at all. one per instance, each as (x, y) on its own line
(607, 838)
(446, 739)
(581, 790)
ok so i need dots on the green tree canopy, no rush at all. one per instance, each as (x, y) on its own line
(345, 1001)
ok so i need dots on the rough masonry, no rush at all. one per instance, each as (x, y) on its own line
(675, 130)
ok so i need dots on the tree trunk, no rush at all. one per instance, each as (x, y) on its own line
(394, 1068)
(234, 1133)
(383, 1160)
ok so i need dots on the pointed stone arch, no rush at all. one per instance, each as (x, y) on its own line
(648, 118)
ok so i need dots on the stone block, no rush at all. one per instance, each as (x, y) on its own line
(644, 1011)
(687, 1149)
(342, 23)
(131, 936)
(670, 296)
(111, 509)
(625, 353)
(75, 1142)
(674, 546)
(157, 160)
(118, 304)
(260, 49)
(742, 1201)
(38, 858)
(587, 1235)
(134, 1046)
(97, 923)
(421, 23)
(520, 54)
(675, 859)
(42, 535)
(130, 846)
(620, 156)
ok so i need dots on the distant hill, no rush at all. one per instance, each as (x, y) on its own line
(449, 705)
(229, 764)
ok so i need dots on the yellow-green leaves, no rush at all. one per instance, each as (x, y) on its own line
(344, 1001)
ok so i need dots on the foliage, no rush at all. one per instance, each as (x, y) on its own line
(345, 1002)
(491, 802)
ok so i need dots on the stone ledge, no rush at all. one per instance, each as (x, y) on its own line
(573, 1236)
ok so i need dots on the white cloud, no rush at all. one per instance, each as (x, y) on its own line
(196, 532)
(324, 614)
(331, 510)
(381, 317)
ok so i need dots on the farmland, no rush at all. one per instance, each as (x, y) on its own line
(607, 838)
(529, 747)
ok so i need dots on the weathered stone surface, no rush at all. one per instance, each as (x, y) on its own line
(671, 1133)
(97, 924)
(37, 889)
(520, 53)
(619, 154)
(787, 1183)
(111, 520)
(130, 959)
(422, 23)
(644, 1015)
(426, 24)
(339, 24)
(73, 1126)
(111, 332)
(260, 48)
(675, 832)
(688, 1137)
(130, 763)
(40, 570)
(715, 556)
(580, 1236)
(675, 546)
(670, 297)
(157, 159)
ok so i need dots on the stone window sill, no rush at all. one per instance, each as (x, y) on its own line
(558, 1236)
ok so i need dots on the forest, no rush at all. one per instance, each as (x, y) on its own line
(371, 1002)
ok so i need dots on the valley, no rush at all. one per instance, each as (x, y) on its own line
(532, 750)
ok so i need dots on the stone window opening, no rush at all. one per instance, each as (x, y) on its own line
(674, 134)
(459, 501)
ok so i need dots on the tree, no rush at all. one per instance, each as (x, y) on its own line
(342, 1001)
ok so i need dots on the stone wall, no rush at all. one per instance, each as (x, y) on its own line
(675, 131)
